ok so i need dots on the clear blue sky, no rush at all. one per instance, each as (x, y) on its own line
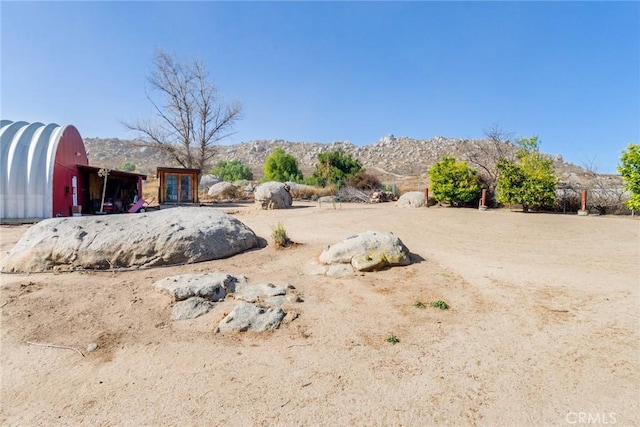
(324, 71)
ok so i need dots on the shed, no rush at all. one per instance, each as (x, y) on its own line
(178, 185)
(121, 189)
(45, 173)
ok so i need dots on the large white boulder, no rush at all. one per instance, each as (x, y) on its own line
(172, 236)
(412, 199)
(206, 181)
(223, 190)
(368, 251)
(273, 195)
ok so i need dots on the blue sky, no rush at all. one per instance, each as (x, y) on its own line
(357, 71)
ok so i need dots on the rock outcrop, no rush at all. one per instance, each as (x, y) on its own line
(197, 294)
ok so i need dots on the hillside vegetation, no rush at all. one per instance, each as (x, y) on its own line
(391, 158)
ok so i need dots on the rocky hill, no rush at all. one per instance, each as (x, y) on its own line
(390, 158)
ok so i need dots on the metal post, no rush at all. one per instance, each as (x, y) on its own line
(104, 173)
(426, 196)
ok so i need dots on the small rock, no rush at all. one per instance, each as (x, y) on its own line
(212, 286)
(249, 317)
(340, 270)
(279, 300)
(191, 308)
(294, 298)
(253, 293)
(92, 347)
(317, 269)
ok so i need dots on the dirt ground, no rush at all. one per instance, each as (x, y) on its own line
(542, 329)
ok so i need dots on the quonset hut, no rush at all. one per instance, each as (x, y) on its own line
(45, 172)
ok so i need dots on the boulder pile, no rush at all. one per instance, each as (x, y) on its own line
(195, 295)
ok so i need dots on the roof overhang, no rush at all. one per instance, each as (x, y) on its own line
(113, 172)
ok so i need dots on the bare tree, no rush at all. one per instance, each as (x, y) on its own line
(485, 156)
(191, 118)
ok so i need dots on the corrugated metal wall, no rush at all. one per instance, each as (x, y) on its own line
(37, 160)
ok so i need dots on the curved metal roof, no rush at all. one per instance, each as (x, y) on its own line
(27, 158)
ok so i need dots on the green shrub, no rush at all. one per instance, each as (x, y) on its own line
(454, 182)
(334, 167)
(440, 304)
(282, 167)
(127, 167)
(232, 171)
(392, 339)
(529, 181)
(279, 236)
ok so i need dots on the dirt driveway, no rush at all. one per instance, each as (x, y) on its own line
(543, 329)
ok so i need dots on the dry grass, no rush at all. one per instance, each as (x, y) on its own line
(406, 184)
(307, 192)
(150, 191)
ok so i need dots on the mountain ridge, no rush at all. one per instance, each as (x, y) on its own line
(389, 158)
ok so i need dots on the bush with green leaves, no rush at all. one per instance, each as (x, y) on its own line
(127, 167)
(281, 166)
(232, 171)
(529, 180)
(279, 236)
(334, 167)
(629, 168)
(392, 339)
(439, 304)
(453, 181)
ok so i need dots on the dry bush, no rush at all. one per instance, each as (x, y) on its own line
(364, 181)
(231, 193)
(567, 200)
(406, 184)
(307, 192)
(150, 190)
(600, 201)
